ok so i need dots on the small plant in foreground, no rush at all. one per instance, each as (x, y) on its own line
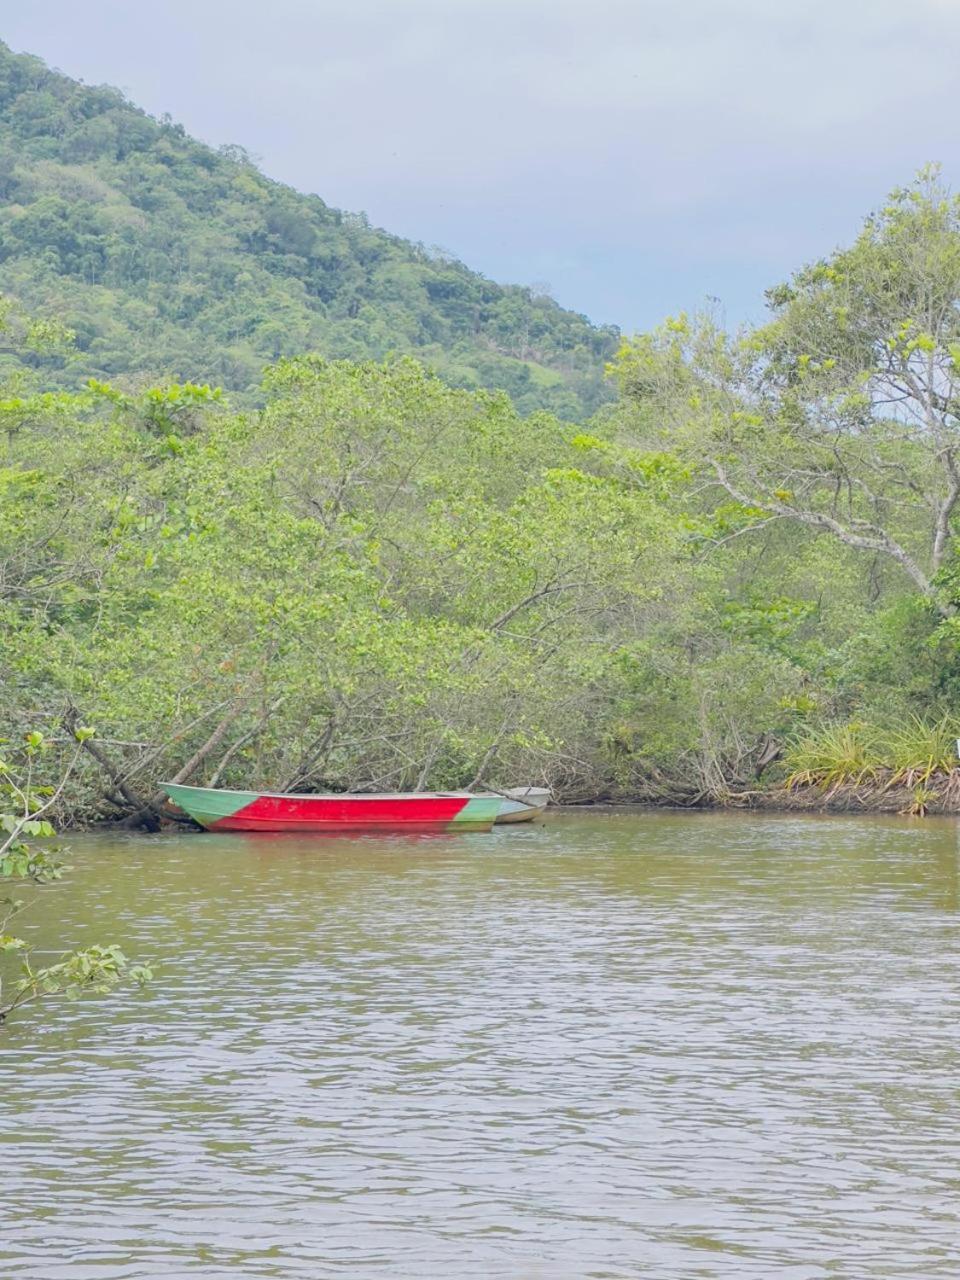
(94, 969)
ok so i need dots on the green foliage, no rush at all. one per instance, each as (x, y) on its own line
(767, 623)
(357, 577)
(169, 260)
(95, 969)
(817, 466)
(367, 575)
(379, 582)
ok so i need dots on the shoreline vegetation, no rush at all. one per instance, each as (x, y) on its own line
(732, 580)
(738, 586)
(940, 797)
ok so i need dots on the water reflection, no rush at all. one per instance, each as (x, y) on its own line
(612, 1045)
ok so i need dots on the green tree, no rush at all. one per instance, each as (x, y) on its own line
(843, 413)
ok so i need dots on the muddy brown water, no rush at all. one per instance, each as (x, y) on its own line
(612, 1045)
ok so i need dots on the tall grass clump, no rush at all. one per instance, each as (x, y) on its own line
(907, 754)
(832, 755)
(917, 749)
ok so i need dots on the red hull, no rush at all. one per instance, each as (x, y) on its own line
(281, 813)
(411, 812)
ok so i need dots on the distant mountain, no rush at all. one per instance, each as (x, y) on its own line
(170, 258)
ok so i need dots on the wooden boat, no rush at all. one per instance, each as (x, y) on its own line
(267, 811)
(523, 804)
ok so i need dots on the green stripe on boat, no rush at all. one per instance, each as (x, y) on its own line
(478, 809)
(206, 805)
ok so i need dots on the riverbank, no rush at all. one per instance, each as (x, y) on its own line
(937, 795)
(885, 793)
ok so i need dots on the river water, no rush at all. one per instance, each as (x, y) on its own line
(612, 1045)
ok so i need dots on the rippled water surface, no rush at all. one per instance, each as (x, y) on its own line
(613, 1045)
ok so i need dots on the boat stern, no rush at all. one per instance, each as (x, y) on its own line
(478, 814)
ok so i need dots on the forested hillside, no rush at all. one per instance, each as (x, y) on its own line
(170, 259)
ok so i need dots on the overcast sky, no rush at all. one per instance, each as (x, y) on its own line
(639, 157)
